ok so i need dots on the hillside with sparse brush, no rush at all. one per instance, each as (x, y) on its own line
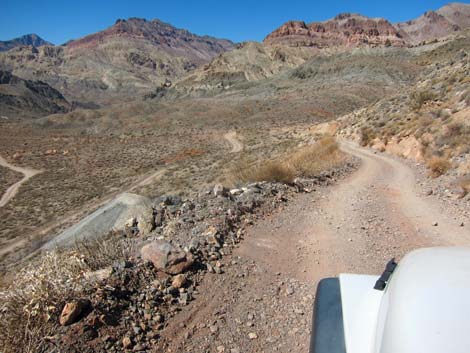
(428, 121)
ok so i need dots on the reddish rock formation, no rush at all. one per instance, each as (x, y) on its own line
(344, 30)
(351, 30)
(157, 33)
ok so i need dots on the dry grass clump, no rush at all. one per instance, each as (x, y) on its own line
(311, 160)
(307, 161)
(438, 166)
(276, 171)
(31, 304)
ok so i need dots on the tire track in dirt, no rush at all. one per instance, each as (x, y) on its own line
(237, 145)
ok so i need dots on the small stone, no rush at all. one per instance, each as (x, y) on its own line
(249, 324)
(289, 291)
(179, 281)
(252, 336)
(98, 276)
(435, 224)
(213, 328)
(219, 190)
(210, 269)
(236, 192)
(462, 224)
(220, 349)
(126, 342)
(72, 311)
(138, 347)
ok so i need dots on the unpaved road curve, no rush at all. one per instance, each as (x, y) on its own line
(354, 226)
(231, 137)
(13, 189)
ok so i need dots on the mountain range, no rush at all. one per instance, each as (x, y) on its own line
(352, 30)
(137, 57)
(132, 56)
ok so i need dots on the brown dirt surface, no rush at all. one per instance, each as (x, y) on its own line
(268, 287)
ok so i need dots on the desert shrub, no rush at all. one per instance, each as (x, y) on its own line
(275, 170)
(31, 304)
(418, 98)
(306, 161)
(438, 166)
(367, 135)
(455, 136)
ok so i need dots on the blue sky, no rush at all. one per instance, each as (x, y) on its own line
(62, 20)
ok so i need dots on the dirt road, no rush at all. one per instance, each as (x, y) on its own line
(263, 303)
(231, 137)
(13, 189)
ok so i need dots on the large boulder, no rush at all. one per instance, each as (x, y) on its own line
(165, 257)
(113, 216)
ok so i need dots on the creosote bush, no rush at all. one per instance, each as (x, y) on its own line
(306, 161)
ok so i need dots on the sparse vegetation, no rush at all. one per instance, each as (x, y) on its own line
(307, 161)
(30, 306)
(438, 166)
(418, 98)
(367, 135)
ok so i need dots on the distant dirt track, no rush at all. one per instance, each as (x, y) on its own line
(13, 189)
(231, 137)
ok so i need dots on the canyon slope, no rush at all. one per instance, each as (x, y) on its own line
(26, 98)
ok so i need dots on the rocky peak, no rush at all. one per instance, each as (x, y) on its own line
(435, 24)
(155, 32)
(343, 16)
(27, 40)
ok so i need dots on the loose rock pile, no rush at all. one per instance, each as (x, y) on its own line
(129, 303)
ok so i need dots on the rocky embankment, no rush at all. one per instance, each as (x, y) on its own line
(128, 306)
